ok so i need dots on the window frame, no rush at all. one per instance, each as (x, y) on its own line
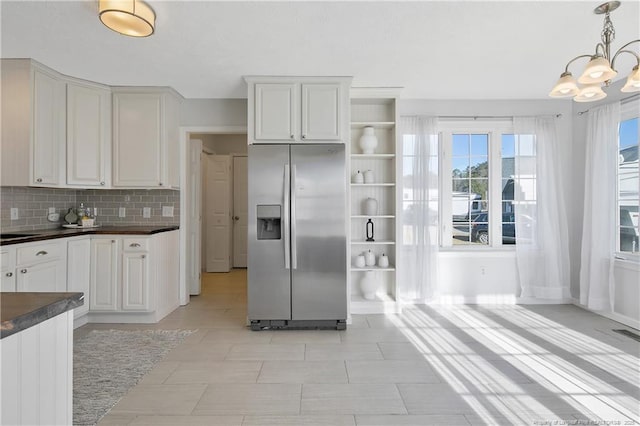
(494, 129)
(628, 111)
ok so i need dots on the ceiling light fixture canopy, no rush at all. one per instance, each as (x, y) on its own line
(601, 67)
(133, 18)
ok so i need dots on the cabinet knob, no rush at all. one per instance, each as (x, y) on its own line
(143, 256)
(41, 253)
(9, 274)
(113, 241)
(23, 271)
(291, 137)
(39, 180)
(304, 136)
(134, 245)
(102, 183)
(160, 183)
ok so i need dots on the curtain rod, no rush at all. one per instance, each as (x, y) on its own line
(493, 117)
(622, 102)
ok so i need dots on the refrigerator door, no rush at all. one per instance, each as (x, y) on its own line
(268, 267)
(318, 232)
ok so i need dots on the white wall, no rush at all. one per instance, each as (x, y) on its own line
(221, 144)
(476, 276)
(213, 112)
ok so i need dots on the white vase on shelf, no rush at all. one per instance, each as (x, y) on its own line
(368, 140)
(358, 177)
(370, 207)
(360, 263)
(368, 176)
(369, 258)
(368, 285)
(383, 261)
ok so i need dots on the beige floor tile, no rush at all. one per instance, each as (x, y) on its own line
(351, 399)
(263, 352)
(159, 373)
(342, 351)
(303, 372)
(373, 335)
(117, 419)
(358, 321)
(441, 398)
(160, 400)
(237, 336)
(250, 399)
(199, 352)
(215, 372)
(412, 420)
(400, 351)
(301, 420)
(187, 421)
(391, 371)
(306, 336)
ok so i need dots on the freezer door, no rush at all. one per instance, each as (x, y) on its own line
(268, 268)
(318, 232)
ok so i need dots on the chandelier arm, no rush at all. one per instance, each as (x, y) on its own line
(623, 50)
(604, 50)
(566, 69)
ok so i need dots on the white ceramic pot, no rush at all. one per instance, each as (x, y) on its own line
(368, 285)
(368, 176)
(368, 140)
(383, 261)
(360, 263)
(369, 258)
(358, 177)
(370, 206)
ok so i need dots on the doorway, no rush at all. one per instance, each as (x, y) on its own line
(227, 140)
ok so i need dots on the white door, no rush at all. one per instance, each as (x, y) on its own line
(135, 282)
(218, 212)
(240, 178)
(103, 282)
(194, 212)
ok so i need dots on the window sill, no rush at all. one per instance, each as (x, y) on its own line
(627, 261)
(477, 251)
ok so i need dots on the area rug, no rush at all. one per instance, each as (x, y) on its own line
(107, 363)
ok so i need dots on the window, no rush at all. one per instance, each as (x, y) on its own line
(478, 199)
(628, 172)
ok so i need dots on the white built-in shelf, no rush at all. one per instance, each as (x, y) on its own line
(373, 184)
(372, 268)
(372, 156)
(380, 216)
(374, 124)
(381, 242)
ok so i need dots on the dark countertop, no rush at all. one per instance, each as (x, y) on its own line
(19, 311)
(49, 234)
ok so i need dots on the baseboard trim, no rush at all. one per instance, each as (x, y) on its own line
(622, 319)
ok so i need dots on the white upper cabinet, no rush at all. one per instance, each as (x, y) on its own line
(145, 138)
(297, 109)
(33, 125)
(88, 135)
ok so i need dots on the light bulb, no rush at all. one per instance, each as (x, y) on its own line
(596, 74)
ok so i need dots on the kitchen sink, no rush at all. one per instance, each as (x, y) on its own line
(15, 235)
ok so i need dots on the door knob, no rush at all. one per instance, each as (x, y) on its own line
(236, 218)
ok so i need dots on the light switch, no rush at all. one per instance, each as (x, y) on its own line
(122, 212)
(146, 212)
(14, 213)
(167, 211)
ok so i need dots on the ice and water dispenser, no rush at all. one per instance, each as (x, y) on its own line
(269, 219)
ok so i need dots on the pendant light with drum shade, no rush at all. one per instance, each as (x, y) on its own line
(600, 69)
(133, 18)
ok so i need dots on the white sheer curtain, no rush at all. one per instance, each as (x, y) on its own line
(598, 236)
(542, 240)
(418, 263)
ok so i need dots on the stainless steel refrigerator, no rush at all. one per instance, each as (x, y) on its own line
(297, 266)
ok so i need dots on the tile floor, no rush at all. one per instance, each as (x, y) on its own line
(448, 365)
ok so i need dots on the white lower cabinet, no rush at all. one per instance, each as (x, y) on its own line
(79, 271)
(134, 279)
(35, 267)
(7, 268)
(42, 277)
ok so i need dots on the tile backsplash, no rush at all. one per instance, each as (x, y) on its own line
(33, 206)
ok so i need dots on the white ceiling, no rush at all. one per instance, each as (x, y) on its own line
(435, 50)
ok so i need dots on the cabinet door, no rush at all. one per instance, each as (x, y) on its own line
(135, 282)
(48, 130)
(321, 112)
(79, 271)
(104, 275)
(276, 112)
(138, 141)
(42, 277)
(88, 135)
(7, 269)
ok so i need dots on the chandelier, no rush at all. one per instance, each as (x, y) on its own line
(601, 67)
(132, 18)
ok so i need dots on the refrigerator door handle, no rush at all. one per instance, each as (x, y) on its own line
(285, 217)
(294, 250)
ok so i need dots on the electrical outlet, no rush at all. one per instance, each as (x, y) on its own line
(127, 198)
(14, 213)
(52, 210)
(122, 212)
(167, 211)
(146, 212)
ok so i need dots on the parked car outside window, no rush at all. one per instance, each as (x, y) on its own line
(480, 229)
